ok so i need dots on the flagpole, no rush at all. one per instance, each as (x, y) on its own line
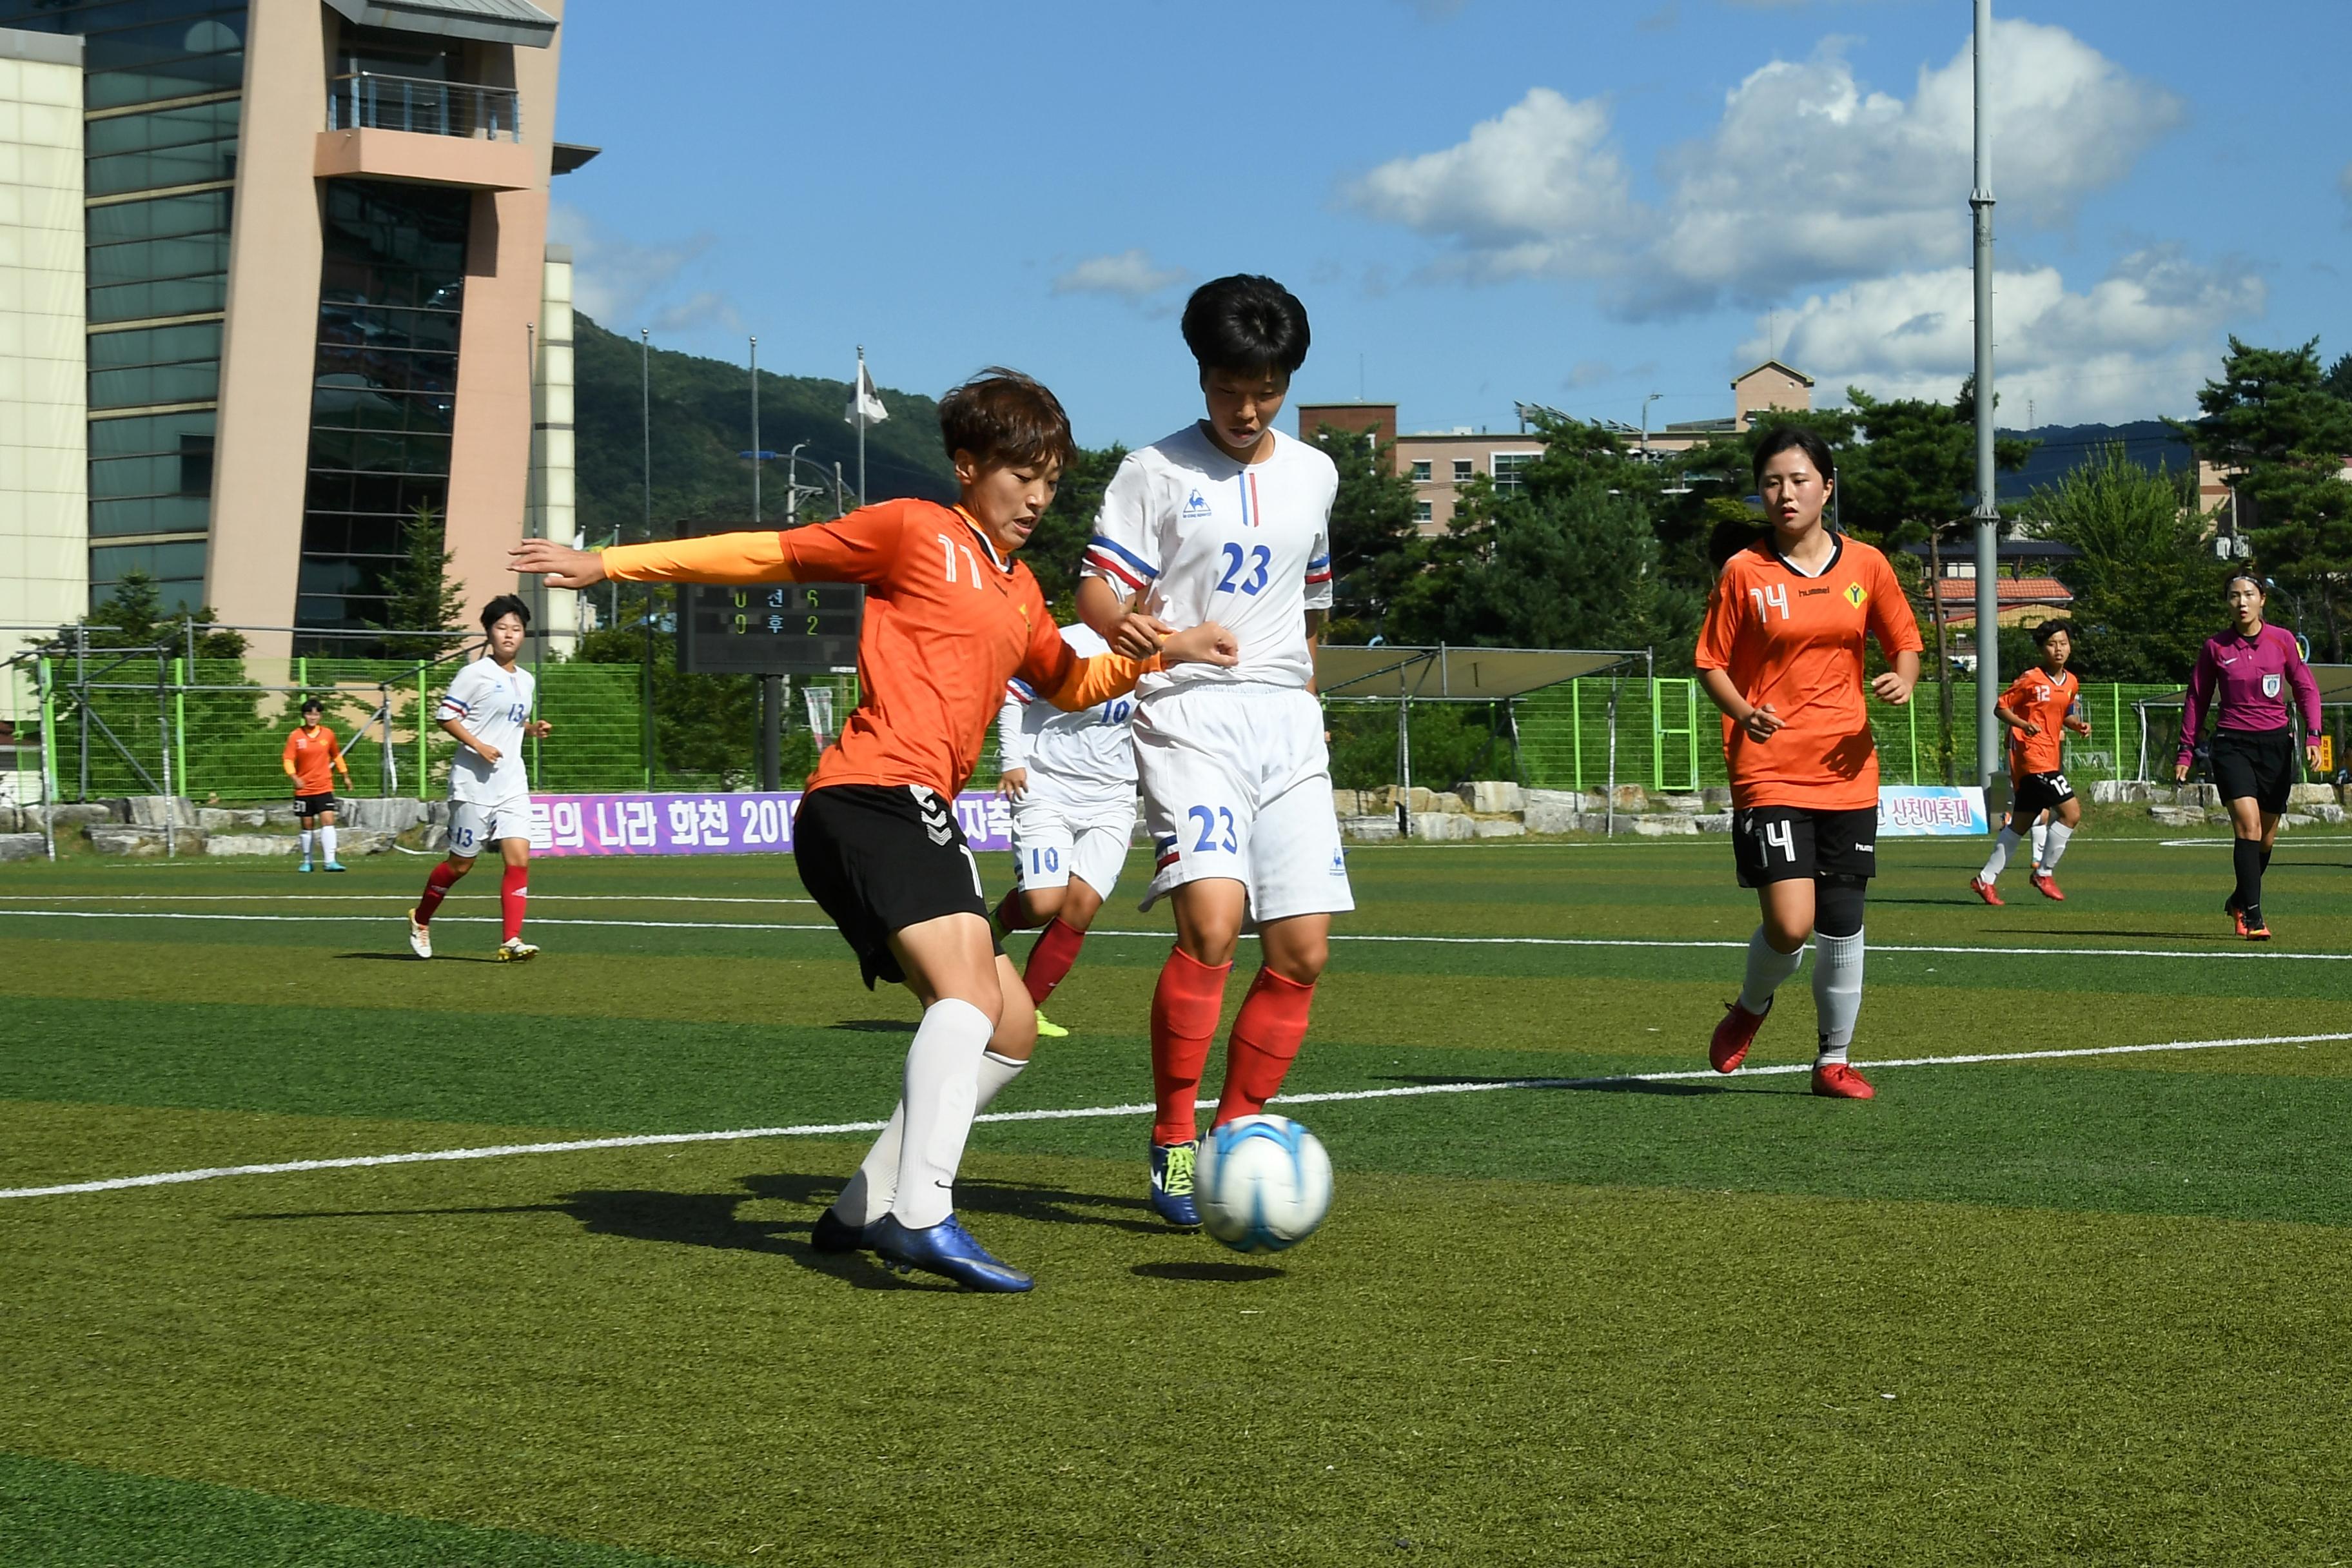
(860, 400)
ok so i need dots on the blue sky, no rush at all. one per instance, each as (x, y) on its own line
(1482, 202)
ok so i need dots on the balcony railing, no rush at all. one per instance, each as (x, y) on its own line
(366, 100)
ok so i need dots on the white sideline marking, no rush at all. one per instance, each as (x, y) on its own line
(1665, 943)
(386, 898)
(1327, 1096)
(2285, 842)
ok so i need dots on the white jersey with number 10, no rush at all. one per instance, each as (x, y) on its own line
(1205, 538)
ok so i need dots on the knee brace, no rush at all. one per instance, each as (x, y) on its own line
(1837, 905)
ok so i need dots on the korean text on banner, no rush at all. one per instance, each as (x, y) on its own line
(1926, 811)
(582, 824)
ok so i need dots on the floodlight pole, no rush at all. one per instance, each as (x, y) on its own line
(645, 665)
(772, 687)
(1988, 509)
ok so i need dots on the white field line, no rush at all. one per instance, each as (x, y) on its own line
(392, 898)
(1669, 944)
(1093, 1113)
(2287, 841)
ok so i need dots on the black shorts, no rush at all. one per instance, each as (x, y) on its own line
(310, 806)
(1783, 843)
(2033, 794)
(880, 857)
(2259, 764)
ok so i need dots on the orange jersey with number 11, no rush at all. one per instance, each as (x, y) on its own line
(1796, 643)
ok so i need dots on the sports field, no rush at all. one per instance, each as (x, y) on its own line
(2075, 1308)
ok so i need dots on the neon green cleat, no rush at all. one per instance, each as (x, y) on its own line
(1049, 1030)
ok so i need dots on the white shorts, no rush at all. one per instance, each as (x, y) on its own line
(1055, 840)
(1237, 784)
(474, 826)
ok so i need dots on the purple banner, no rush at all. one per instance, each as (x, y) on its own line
(710, 824)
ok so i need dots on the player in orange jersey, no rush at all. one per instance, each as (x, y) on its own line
(311, 758)
(950, 618)
(1782, 654)
(2038, 710)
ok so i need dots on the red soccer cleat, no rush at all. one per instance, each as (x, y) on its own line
(1984, 889)
(2259, 931)
(1835, 1080)
(2230, 907)
(2047, 886)
(1732, 1037)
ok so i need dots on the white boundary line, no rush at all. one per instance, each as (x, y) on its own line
(392, 899)
(1090, 1112)
(2287, 841)
(1670, 943)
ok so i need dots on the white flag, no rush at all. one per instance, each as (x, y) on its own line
(819, 702)
(864, 402)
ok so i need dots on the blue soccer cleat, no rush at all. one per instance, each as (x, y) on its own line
(1172, 1183)
(336, 865)
(946, 1250)
(303, 866)
(835, 1233)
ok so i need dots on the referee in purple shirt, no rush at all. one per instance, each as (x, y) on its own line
(2242, 682)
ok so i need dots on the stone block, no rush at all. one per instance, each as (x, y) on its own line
(280, 815)
(1552, 816)
(23, 847)
(2121, 791)
(216, 818)
(1368, 829)
(1347, 803)
(1447, 801)
(2308, 794)
(2197, 795)
(394, 814)
(1718, 797)
(10, 821)
(2330, 812)
(120, 838)
(1440, 827)
(77, 813)
(155, 810)
(1661, 825)
(1714, 822)
(1491, 796)
(2178, 815)
(1688, 804)
(1632, 798)
(1562, 799)
(1497, 827)
(253, 844)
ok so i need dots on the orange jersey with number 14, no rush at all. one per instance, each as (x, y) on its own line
(1796, 643)
(2044, 699)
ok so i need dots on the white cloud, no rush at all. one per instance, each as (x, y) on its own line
(616, 280)
(1130, 275)
(1808, 177)
(2140, 341)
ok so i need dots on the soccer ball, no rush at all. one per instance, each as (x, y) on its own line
(1264, 1183)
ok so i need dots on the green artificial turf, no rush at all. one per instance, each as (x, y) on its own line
(2075, 1310)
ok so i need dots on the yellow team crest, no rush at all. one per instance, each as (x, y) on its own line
(1855, 596)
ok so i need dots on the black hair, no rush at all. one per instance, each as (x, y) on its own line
(2246, 577)
(1247, 322)
(506, 604)
(312, 705)
(2048, 629)
(1784, 438)
(1003, 417)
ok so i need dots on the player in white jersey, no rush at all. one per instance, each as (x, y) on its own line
(1071, 780)
(1228, 517)
(487, 711)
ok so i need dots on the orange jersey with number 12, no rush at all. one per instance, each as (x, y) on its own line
(1796, 642)
(2040, 698)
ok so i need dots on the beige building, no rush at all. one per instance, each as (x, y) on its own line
(1439, 462)
(314, 236)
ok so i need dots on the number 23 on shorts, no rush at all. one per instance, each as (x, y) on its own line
(1212, 820)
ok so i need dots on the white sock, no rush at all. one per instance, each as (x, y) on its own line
(2040, 838)
(2060, 837)
(327, 842)
(2002, 848)
(940, 1097)
(1837, 993)
(306, 843)
(1768, 966)
(867, 1196)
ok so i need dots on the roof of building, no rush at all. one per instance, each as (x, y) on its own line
(492, 21)
(41, 48)
(1788, 370)
(2010, 591)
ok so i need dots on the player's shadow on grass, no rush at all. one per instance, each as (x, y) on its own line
(1208, 1273)
(1012, 1200)
(878, 1025)
(412, 958)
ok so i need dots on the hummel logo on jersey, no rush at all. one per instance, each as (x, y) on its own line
(1855, 596)
(934, 812)
(1196, 505)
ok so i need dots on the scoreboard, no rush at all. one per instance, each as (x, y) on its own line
(769, 629)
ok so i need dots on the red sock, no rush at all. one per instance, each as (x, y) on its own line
(514, 890)
(1010, 915)
(1265, 1042)
(1056, 950)
(437, 887)
(1184, 1011)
